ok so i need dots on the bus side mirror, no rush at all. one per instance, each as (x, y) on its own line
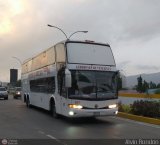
(68, 78)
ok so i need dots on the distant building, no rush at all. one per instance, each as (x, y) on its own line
(13, 76)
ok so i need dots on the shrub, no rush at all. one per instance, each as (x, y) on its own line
(124, 108)
(120, 107)
(146, 108)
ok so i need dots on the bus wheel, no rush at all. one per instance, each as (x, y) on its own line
(25, 98)
(54, 113)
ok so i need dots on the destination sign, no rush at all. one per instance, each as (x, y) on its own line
(91, 67)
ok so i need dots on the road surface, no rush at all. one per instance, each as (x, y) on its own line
(19, 122)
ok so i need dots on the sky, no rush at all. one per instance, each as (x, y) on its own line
(131, 27)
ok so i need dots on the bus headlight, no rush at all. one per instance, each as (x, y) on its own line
(71, 113)
(75, 106)
(18, 93)
(112, 106)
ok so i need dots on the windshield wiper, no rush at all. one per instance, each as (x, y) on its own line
(96, 89)
(106, 91)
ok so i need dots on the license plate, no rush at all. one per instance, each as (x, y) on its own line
(96, 113)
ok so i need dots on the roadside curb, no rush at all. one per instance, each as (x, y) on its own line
(145, 96)
(139, 118)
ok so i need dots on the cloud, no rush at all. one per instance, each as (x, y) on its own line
(148, 67)
(126, 25)
(132, 19)
(123, 64)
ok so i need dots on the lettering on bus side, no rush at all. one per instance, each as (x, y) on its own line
(40, 73)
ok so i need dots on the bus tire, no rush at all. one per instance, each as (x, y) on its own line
(54, 113)
(25, 99)
(6, 98)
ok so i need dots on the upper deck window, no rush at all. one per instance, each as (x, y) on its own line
(87, 53)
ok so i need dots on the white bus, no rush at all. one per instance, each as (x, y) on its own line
(72, 78)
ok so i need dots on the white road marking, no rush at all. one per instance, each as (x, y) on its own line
(41, 132)
(59, 141)
(52, 137)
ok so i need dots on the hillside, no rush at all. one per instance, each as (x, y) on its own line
(132, 80)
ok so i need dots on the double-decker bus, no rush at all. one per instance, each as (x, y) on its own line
(72, 78)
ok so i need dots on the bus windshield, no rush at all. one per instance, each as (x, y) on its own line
(93, 85)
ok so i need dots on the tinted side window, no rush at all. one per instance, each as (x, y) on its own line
(45, 85)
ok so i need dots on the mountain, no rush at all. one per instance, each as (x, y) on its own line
(131, 81)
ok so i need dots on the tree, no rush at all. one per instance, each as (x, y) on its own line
(119, 83)
(139, 85)
(145, 86)
(18, 83)
(152, 85)
(158, 85)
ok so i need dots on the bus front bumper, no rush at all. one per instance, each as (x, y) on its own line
(72, 113)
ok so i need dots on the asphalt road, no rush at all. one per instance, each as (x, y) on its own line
(19, 122)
